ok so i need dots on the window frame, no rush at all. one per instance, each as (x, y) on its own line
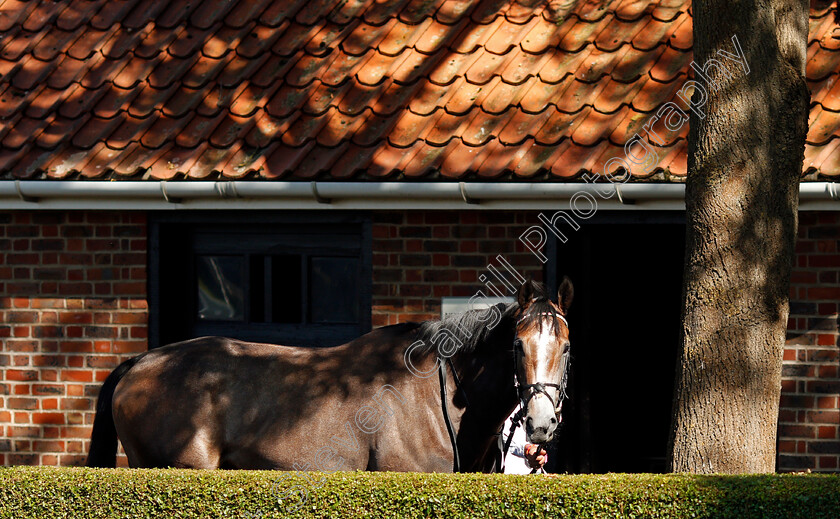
(268, 226)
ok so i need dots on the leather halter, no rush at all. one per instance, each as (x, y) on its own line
(532, 390)
(538, 388)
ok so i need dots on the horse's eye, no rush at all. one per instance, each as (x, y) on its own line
(517, 344)
(567, 347)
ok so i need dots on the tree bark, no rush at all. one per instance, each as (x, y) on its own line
(745, 160)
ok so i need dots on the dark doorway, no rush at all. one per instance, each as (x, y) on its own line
(627, 270)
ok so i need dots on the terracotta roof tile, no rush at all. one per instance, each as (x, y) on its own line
(671, 63)
(495, 163)
(593, 10)
(211, 160)
(59, 130)
(473, 37)
(96, 129)
(185, 99)
(821, 62)
(824, 126)
(163, 131)
(80, 101)
(142, 14)
(632, 9)
(130, 130)
(204, 70)
(319, 160)
(198, 130)
(274, 70)
(378, 66)
(31, 162)
(268, 129)
(20, 43)
(150, 99)
(112, 12)
(346, 12)
(532, 159)
(353, 160)
(379, 11)
(328, 36)
(23, 130)
(409, 127)
(484, 127)
(522, 125)
(827, 92)
(173, 161)
(44, 101)
(34, 73)
(345, 66)
(284, 159)
(380, 89)
(77, 13)
(70, 159)
(488, 10)
(559, 126)
(582, 33)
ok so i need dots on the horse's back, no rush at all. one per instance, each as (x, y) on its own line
(214, 401)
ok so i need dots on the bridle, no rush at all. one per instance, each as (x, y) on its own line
(526, 392)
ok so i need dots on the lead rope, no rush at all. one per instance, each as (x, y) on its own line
(456, 465)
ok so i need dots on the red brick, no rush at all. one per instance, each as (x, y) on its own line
(826, 432)
(816, 293)
(76, 375)
(21, 375)
(129, 346)
(18, 431)
(796, 431)
(48, 446)
(48, 418)
(827, 417)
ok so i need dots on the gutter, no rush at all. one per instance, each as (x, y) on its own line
(194, 195)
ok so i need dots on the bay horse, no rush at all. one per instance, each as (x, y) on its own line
(370, 404)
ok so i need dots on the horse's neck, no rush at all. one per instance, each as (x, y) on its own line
(488, 382)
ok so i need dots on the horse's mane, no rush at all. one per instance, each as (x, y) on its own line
(471, 328)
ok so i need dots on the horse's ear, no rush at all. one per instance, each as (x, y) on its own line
(525, 294)
(565, 294)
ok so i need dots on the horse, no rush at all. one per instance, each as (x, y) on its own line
(370, 404)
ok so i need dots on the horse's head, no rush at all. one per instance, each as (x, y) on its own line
(541, 352)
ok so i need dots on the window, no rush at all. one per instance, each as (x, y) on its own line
(299, 280)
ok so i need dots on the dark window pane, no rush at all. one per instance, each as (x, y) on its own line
(220, 288)
(333, 290)
(257, 287)
(286, 283)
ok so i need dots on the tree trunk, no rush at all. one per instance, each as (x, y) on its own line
(745, 160)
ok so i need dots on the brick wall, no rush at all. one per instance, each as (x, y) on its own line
(809, 418)
(72, 307)
(421, 256)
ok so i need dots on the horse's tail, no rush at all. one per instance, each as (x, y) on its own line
(103, 439)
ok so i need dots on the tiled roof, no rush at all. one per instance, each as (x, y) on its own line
(356, 89)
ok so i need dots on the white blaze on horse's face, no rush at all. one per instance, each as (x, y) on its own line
(542, 362)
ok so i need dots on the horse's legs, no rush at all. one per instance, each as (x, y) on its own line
(200, 452)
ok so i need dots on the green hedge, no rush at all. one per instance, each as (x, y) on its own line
(45, 493)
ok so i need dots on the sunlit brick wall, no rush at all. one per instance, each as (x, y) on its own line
(809, 417)
(73, 306)
(421, 256)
